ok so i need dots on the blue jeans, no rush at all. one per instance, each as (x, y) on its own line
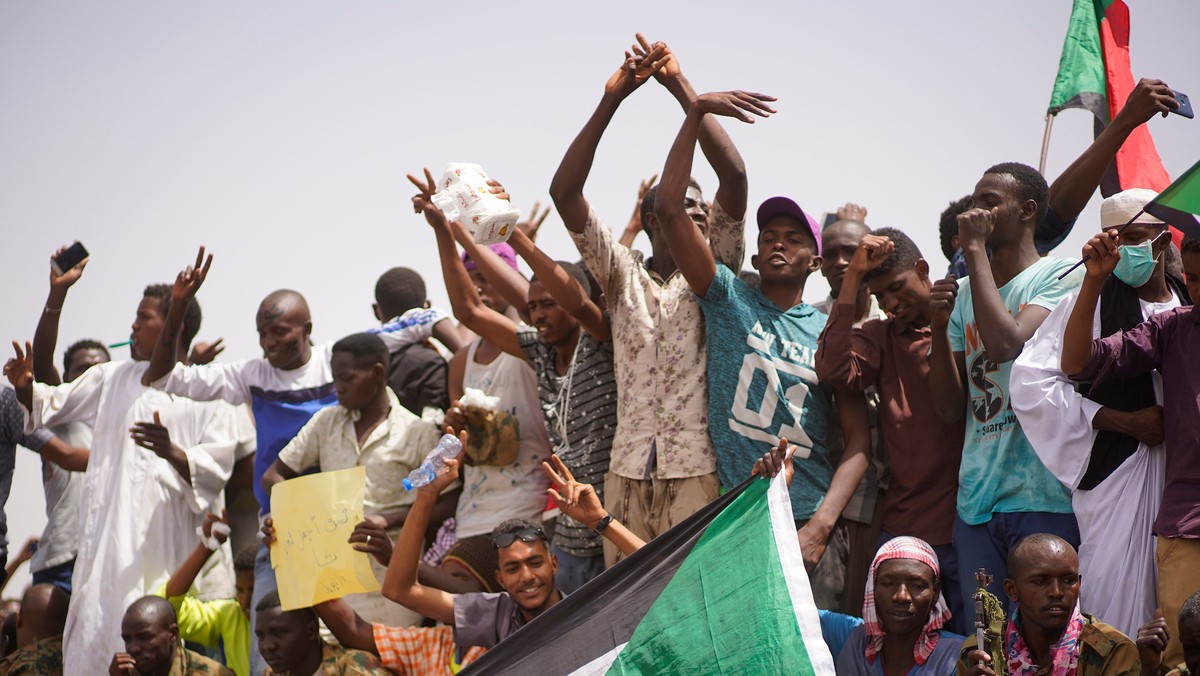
(59, 576)
(987, 545)
(264, 583)
(951, 590)
(575, 571)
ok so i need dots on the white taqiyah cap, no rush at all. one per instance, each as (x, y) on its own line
(1116, 211)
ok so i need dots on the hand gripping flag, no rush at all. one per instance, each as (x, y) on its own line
(723, 592)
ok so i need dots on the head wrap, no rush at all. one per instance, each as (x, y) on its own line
(917, 550)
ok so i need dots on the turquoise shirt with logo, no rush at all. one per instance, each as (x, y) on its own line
(762, 385)
(1000, 472)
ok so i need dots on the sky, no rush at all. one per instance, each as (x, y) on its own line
(278, 134)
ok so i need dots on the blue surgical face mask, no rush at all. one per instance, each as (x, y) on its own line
(1137, 262)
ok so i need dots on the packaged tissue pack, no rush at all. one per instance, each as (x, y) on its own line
(466, 197)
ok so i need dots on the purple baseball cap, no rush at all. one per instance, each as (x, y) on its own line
(784, 206)
(502, 250)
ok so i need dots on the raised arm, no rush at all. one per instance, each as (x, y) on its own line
(563, 288)
(166, 350)
(947, 367)
(401, 584)
(184, 576)
(566, 189)
(350, 629)
(45, 337)
(580, 502)
(1070, 192)
(689, 246)
(634, 227)
(1003, 334)
(1101, 255)
(843, 361)
(720, 152)
(465, 302)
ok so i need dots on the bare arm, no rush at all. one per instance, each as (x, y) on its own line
(276, 473)
(1070, 192)
(507, 281)
(580, 502)
(401, 584)
(185, 575)
(856, 430)
(563, 288)
(45, 337)
(448, 334)
(838, 362)
(66, 456)
(351, 630)
(947, 369)
(566, 189)
(1101, 255)
(167, 348)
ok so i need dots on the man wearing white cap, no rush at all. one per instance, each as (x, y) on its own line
(1105, 443)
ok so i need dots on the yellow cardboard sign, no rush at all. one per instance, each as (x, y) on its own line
(314, 516)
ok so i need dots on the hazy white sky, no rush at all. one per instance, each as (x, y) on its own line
(279, 133)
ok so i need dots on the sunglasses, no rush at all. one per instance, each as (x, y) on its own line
(526, 535)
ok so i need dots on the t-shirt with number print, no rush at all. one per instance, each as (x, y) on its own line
(1000, 473)
(762, 385)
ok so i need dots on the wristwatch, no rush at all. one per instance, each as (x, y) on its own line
(607, 519)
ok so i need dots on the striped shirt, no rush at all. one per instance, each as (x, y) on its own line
(587, 420)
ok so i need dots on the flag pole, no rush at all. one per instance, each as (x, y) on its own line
(1046, 143)
(1119, 229)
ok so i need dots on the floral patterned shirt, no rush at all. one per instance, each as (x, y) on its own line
(660, 356)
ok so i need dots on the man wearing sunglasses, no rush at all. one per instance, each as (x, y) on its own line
(526, 573)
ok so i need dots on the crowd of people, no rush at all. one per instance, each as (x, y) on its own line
(1017, 423)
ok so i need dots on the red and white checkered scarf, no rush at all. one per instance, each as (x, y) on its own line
(917, 550)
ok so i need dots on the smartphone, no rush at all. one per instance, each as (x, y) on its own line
(68, 259)
(1185, 105)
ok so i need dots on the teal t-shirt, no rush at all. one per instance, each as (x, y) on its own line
(1000, 473)
(762, 386)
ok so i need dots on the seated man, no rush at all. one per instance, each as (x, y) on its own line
(1048, 631)
(152, 645)
(40, 623)
(904, 612)
(290, 643)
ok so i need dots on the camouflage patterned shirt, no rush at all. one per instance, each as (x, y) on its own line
(42, 658)
(337, 661)
(188, 663)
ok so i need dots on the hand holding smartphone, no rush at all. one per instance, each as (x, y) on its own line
(1185, 105)
(73, 256)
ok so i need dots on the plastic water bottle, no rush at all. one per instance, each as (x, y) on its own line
(448, 447)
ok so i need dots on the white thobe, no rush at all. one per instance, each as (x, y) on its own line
(138, 516)
(1116, 518)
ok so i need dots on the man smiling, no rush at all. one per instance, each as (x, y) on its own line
(1047, 633)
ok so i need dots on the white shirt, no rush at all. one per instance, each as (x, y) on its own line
(1116, 554)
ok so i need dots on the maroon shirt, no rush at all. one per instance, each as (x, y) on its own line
(1170, 342)
(924, 452)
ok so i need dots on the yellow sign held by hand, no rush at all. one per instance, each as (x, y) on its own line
(314, 516)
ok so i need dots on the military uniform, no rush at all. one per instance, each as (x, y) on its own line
(337, 661)
(44, 657)
(188, 663)
(1103, 651)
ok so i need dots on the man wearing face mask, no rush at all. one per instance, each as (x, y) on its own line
(1105, 442)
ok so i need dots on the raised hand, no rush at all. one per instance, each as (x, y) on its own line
(852, 212)
(533, 222)
(1148, 98)
(736, 104)
(68, 277)
(205, 353)
(1101, 254)
(448, 474)
(941, 302)
(779, 457)
(423, 200)
(190, 279)
(221, 534)
(370, 536)
(19, 369)
(670, 63)
(635, 221)
(975, 226)
(872, 251)
(576, 500)
(635, 70)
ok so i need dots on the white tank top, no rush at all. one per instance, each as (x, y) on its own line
(494, 494)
